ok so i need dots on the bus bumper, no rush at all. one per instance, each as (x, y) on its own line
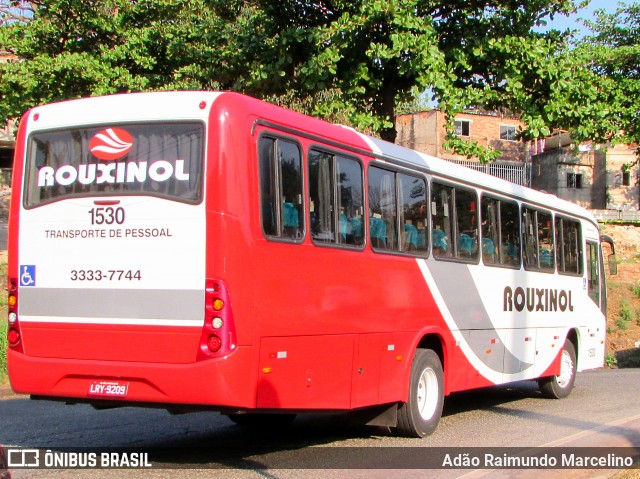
(219, 382)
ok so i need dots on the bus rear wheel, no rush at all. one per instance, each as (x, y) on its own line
(560, 386)
(419, 416)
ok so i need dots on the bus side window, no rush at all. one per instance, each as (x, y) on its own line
(412, 192)
(500, 232)
(397, 212)
(593, 272)
(280, 167)
(538, 243)
(441, 220)
(568, 246)
(335, 199)
(382, 209)
(454, 224)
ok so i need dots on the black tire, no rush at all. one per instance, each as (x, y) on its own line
(262, 420)
(419, 416)
(560, 386)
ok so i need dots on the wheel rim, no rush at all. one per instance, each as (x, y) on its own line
(566, 369)
(427, 393)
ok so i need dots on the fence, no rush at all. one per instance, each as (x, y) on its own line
(623, 216)
(515, 172)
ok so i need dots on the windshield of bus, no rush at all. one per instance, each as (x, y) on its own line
(154, 159)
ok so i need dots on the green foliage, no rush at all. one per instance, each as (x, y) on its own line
(356, 59)
(625, 311)
(610, 360)
(621, 323)
(635, 289)
(610, 54)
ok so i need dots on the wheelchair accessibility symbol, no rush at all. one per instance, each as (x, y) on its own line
(28, 275)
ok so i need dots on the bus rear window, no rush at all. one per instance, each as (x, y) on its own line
(154, 159)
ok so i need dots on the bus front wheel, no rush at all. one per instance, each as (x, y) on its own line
(560, 386)
(419, 416)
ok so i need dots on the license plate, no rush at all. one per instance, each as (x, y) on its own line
(109, 388)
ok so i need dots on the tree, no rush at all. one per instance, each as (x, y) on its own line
(612, 54)
(69, 49)
(356, 60)
(376, 54)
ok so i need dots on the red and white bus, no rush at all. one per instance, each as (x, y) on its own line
(208, 250)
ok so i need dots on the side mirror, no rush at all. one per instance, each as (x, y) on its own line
(611, 259)
(613, 264)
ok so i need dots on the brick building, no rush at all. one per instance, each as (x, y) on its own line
(425, 132)
(593, 177)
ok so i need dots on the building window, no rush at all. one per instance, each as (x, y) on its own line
(574, 181)
(508, 132)
(462, 128)
(626, 178)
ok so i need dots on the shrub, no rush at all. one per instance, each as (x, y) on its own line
(625, 311)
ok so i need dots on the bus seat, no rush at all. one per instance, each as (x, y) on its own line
(356, 227)
(467, 244)
(290, 214)
(440, 240)
(410, 236)
(489, 248)
(378, 232)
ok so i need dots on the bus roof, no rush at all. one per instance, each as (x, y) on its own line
(183, 105)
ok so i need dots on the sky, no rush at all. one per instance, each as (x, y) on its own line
(560, 22)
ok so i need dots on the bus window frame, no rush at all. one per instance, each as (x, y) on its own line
(335, 152)
(275, 137)
(398, 170)
(455, 258)
(551, 213)
(581, 242)
(484, 194)
(201, 185)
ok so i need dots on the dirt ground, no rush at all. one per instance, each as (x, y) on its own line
(623, 323)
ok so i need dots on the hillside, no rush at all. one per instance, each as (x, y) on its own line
(623, 312)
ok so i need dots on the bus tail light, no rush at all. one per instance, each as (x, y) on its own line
(14, 335)
(218, 336)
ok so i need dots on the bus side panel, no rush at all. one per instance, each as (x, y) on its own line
(366, 370)
(307, 372)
